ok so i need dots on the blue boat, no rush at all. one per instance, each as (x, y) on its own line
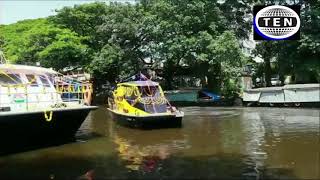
(206, 95)
(193, 96)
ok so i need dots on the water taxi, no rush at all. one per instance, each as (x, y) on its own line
(39, 104)
(142, 104)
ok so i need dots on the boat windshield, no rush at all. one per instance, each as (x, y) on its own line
(32, 80)
(45, 81)
(10, 79)
(149, 91)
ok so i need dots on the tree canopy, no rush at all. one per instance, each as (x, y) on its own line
(196, 38)
(33, 41)
(299, 59)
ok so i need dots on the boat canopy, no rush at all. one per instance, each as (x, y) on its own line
(139, 83)
(13, 68)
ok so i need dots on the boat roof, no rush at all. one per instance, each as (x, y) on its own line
(140, 83)
(289, 86)
(299, 86)
(279, 88)
(15, 68)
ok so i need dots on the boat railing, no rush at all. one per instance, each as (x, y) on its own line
(61, 93)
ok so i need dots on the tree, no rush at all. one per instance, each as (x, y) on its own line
(33, 41)
(296, 58)
(307, 51)
(1, 37)
(65, 49)
(183, 34)
(178, 34)
(108, 64)
(84, 20)
(121, 31)
(229, 62)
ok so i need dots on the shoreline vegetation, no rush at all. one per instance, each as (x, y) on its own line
(202, 39)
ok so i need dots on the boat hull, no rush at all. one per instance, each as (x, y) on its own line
(32, 128)
(147, 121)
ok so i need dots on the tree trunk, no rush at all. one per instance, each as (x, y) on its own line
(169, 83)
(201, 70)
(214, 79)
(267, 70)
(214, 83)
(95, 87)
(168, 75)
(281, 72)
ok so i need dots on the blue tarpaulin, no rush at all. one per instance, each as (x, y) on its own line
(213, 96)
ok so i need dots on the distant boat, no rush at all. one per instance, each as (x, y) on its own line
(141, 103)
(193, 95)
(37, 104)
(288, 95)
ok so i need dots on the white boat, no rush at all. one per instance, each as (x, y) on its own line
(291, 94)
(38, 104)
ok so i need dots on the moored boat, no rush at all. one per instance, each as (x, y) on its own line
(142, 103)
(40, 105)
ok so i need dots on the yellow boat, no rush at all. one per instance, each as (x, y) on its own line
(142, 104)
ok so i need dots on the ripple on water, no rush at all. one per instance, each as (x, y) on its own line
(247, 143)
(209, 112)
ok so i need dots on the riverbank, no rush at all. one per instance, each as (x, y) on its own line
(232, 102)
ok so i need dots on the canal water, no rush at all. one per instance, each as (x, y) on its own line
(214, 142)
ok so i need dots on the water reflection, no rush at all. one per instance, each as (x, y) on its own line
(143, 150)
(221, 143)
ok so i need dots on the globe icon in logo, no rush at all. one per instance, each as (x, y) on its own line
(277, 22)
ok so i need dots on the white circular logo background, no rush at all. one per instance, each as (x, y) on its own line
(277, 32)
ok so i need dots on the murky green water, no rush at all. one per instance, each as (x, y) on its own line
(244, 143)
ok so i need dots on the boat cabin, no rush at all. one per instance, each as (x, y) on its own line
(28, 88)
(141, 96)
(24, 88)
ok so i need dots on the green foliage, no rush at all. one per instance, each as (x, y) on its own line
(108, 62)
(39, 41)
(186, 34)
(182, 37)
(228, 53)
(1, 37)
(117, 40)
(296, 58)
(64, 50)
(84, 20)
(15, 38)
(109, 29)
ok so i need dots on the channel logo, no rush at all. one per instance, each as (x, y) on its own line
(276, 22)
